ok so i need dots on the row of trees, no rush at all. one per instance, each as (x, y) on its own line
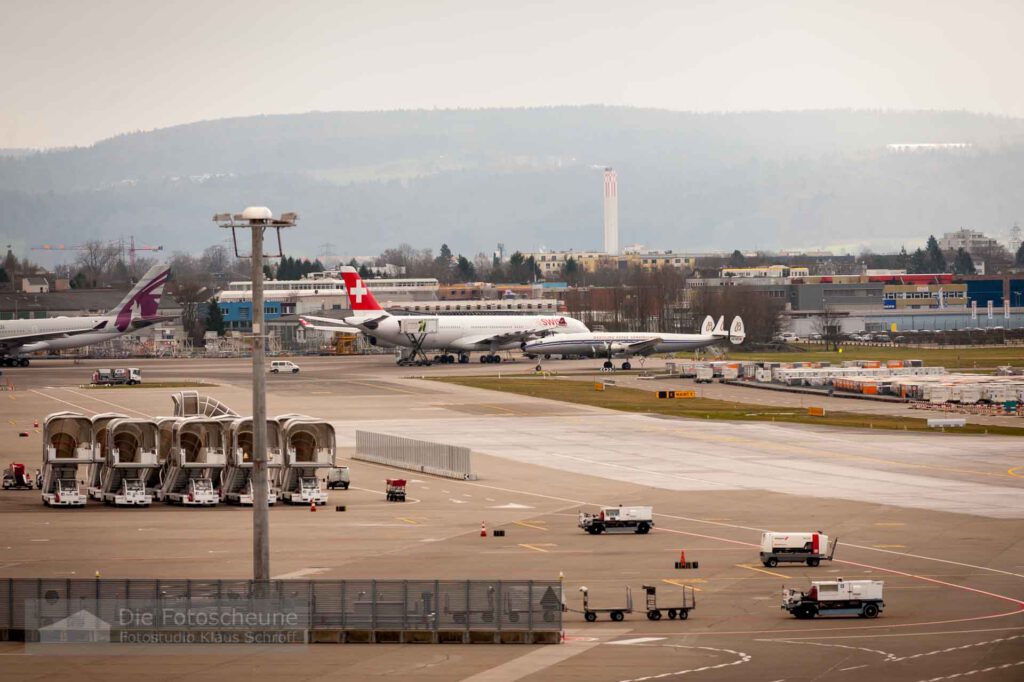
(932, 258)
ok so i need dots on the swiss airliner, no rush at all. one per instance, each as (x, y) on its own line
(446, 334)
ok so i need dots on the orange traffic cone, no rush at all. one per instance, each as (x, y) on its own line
(483, 529)
(312, 505)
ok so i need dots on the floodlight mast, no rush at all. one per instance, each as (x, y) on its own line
(257, 219)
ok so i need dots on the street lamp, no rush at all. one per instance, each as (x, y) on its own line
(257, 219)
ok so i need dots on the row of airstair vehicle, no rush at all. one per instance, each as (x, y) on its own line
(200, 457)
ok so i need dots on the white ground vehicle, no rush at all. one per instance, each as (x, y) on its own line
(117, 376)
(636, 519)
(837, 597)
(132, 493)
(799, 548)
(704, 375)
(279, 366)
(338, 477)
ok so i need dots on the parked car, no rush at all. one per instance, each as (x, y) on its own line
(277, 366)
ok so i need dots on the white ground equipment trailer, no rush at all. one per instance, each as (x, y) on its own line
(236, 477)
(799, 548)
(618, 519)
(131, 451)
(837, 597)
(94, 482)
(67, 445)
(308, 447)
(197, 453)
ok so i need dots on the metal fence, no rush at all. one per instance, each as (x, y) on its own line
(416, 455)
(449, 607)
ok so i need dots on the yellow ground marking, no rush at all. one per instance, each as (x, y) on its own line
(12, 397)
(11, 422)
(539, 547)
(890, 524)
(890, 546)
(402, 518)
(684, 583)
(1011, 472)
(761, 570)
(529, 524)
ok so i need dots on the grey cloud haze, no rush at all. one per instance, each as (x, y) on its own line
(72, 73)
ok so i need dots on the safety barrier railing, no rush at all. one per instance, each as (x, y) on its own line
(423, 456)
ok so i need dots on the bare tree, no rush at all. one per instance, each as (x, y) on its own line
(829, 325)
(96, 260)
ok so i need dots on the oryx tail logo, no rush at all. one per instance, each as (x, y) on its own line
(143, 301)
(423, 327)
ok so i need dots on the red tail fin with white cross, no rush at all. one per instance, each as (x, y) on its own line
(359, 297)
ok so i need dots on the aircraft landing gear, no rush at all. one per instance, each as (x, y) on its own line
(445, 359)
(15, 362)
(490, 358)
(626, 365)
(463, 358)
(608, 364)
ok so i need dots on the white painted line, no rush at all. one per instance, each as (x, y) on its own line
(511, 505)
(455, 501)
(638, 640)
(301, 573)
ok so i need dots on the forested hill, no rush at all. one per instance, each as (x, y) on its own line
(530, 177)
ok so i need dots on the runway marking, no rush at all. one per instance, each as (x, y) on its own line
(742, 658)
(889, 546)
(454, 500)
(893, 658)
(410, 521)
(1004, 666)
(301, 573)
(637, 640)
(761, 570)
(883, 523)
(539, 547)
(11, 422)
(106, 402)
(680, 583)
(527, 524)
(511, 505)
(1012, 472)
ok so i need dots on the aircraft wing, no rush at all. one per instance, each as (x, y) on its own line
(25, 339)
(326, 324)
(143, 322)
(641, 347)
(520, 335)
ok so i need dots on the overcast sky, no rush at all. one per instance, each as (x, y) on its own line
(73, 72)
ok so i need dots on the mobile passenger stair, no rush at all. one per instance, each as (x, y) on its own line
(100, 425)
(131, 451)
(309, 446)
(236, 477)
(67, 444)
(198, 450)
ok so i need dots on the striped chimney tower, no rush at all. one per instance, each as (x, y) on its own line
(611, 212)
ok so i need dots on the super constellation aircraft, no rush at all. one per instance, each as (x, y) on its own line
(627, 344)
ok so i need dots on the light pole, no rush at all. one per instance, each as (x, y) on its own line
(257, 219)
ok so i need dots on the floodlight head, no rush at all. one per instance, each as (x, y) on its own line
(257, 213)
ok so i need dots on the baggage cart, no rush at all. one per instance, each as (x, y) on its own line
(395, 491)
(616, 613)
(682, 611)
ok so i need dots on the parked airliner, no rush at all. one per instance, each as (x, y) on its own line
(445, 333)
(135, 311)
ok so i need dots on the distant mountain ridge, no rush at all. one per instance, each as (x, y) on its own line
(526, 177)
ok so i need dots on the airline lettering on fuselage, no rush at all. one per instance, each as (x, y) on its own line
(423, 326)
(549, 322)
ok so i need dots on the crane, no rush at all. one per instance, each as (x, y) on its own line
(122, 247)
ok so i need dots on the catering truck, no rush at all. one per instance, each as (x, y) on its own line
(862, 598)
(798, 548)
(633, 519)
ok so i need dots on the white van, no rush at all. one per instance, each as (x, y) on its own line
(277, 366)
